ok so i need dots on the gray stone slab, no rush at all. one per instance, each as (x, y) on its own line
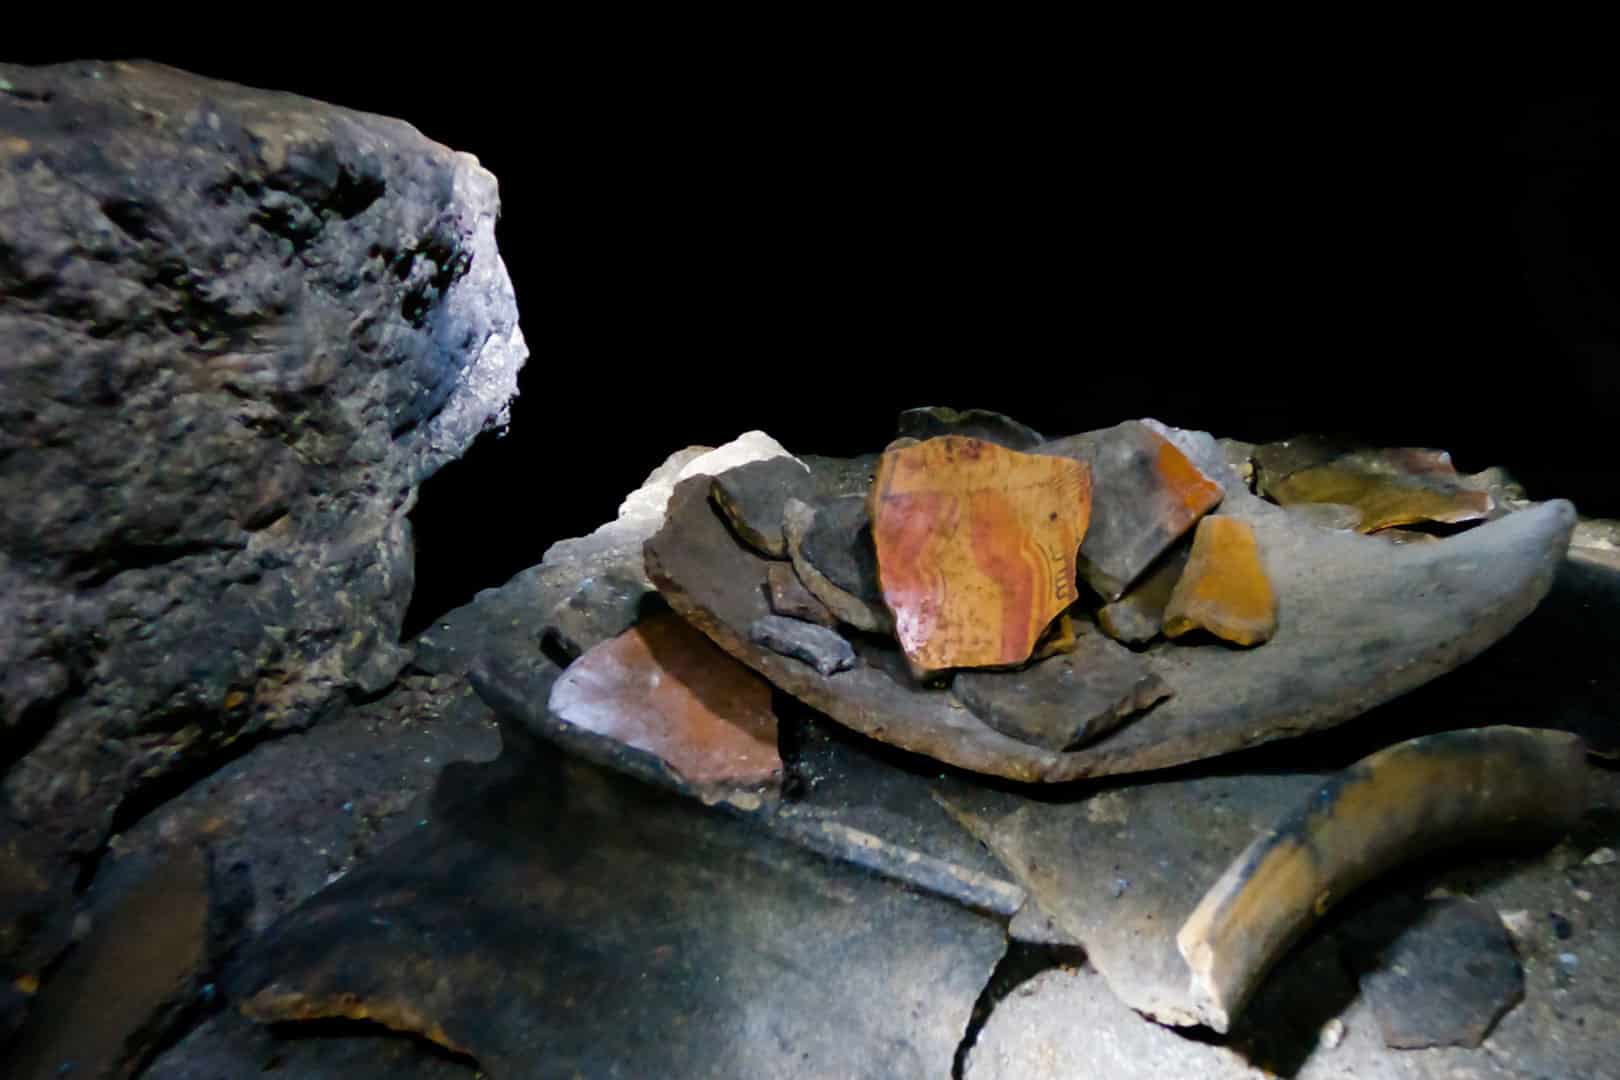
(559, 919)
(1067, 700)
(752, 497)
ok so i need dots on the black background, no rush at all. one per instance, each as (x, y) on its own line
(701, 247)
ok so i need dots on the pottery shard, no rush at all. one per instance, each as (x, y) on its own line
(932, 422)
(789, 597)
(1148, 494)
(1437, 973)
(1383, 498)
(817, 646)
(1382, 487)
(1224, 588)
(664, 688)
(830, 543)
(975, 548)
(1067, 701)
(1137, 617)
(752, 497)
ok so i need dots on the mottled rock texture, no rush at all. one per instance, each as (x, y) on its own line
(238, 329)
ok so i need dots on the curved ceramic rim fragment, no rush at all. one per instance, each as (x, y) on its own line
(1404, 802)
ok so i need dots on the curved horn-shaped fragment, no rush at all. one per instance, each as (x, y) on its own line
(1395, 805)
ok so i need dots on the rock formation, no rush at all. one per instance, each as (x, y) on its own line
(238, 329)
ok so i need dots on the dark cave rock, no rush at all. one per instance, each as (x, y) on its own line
(241, 328)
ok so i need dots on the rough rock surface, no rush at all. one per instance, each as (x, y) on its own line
(301, 811)
(237, 330)
(753, 496)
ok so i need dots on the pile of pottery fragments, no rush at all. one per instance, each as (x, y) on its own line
(1044, 610)
(1110, 602)
(974, 596)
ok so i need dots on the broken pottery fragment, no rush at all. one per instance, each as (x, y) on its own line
(929, 423)
(789, 597)
(1335, 516)
(975, 549)
(1342, 654)
(854, 800)
(1401, 803)
(1138, 617)
(1067, 701)
(842, 476)
(121, 991)
(552, 918)
(1437, 972)
(1385, 486)
(1274, 462)
(1146, 495)
(817, 646)
(1383, 499)
(662, 687)
(1224, 588)
(752, 497)
(830, 544)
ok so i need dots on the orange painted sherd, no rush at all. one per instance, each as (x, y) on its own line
(665, 688)
(976, 548)
(1224, 588)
